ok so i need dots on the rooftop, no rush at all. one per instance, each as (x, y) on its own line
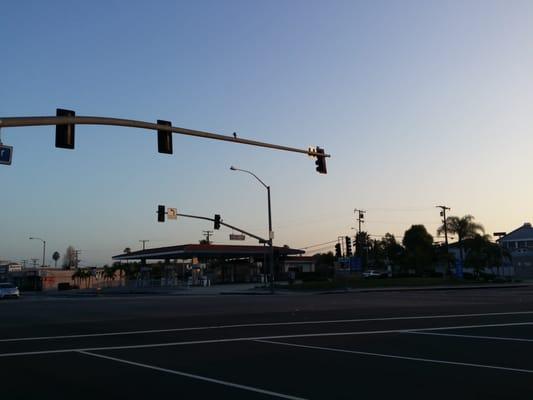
(188, 251)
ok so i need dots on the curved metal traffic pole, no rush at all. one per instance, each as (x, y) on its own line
(88, 120)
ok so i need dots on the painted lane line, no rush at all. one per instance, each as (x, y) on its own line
(194, 376)
(253, 338)
(254, 325)
(428, 360)
(471, 336)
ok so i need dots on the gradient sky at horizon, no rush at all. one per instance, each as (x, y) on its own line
(420, 103)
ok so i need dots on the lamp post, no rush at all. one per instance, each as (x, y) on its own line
(270, 232)
(44, 246)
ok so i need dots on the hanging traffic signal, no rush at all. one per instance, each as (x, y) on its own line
(65, 133)
(321, 162)
(348, 246)
(164, 138)
(160, 213)
(217, 221)
(338, 250)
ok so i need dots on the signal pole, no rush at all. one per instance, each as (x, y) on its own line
(443, 215)
(340, 240)
(143, 241)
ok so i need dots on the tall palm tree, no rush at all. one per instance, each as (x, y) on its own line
(464, 227)
(56, 257)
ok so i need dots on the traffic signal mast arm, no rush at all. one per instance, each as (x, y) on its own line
(261, 240)
(88, 120)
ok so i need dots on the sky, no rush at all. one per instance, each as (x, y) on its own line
(419, 103)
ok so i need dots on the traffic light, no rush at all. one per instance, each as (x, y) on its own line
(65, 133)
(338, 250)
(321, 162)
(164, 138)
(160, 213)
(348, 246)
(217, 221)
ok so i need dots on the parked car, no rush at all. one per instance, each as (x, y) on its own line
(372, 273)
(9, 290)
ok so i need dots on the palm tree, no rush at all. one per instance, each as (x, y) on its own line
(108, 273)
(56, 257)
(77, 276)
(464, 228)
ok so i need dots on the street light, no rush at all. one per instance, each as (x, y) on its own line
(270, 233)
(44, 246)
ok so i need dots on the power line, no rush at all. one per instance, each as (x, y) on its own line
(319, 244)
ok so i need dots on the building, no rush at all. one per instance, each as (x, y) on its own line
(519, 244)
(219, 263)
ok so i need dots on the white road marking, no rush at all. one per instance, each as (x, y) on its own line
(193, 376)
(253, 325)
(511, 339)
(428, 360)
(254, 338)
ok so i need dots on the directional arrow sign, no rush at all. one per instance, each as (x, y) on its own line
(6, 153)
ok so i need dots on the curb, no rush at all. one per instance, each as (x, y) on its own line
(423, 288)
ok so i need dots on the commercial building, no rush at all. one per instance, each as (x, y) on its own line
(219, 263)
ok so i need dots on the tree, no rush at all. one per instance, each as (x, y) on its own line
(482, 253)
(377, 253)
(464, 228)
(362, 242)
(56, 257)
(394, 250)
(121, 268)
(108, 273)
(418, 245)
(69, 259)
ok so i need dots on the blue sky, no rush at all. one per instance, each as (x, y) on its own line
(419, 102)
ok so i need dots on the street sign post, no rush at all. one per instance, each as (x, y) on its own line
(233, 236)
(6, 154)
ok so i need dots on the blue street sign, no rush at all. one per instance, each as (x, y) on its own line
(355, 264)
(459, 269)
(6, 153)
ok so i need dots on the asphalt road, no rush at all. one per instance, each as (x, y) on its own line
(469, 344)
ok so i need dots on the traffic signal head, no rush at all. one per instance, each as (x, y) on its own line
(320, 162)
(338, 250)
(217, 221)
(65, 133)
(348, 246)
(164, 138)
(160, 213)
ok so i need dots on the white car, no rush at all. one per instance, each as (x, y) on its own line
(9, 290)
(372, 273)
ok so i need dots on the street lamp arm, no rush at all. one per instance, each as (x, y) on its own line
(251, 173)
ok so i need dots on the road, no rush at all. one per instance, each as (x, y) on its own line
(416, 345)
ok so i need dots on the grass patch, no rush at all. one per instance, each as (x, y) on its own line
(360, 283)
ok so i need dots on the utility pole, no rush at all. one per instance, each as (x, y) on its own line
(443, 215)
(77, 257)
(360, 217)
(360, 220)
(143, 241)
(34, 262)
(207, 235)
